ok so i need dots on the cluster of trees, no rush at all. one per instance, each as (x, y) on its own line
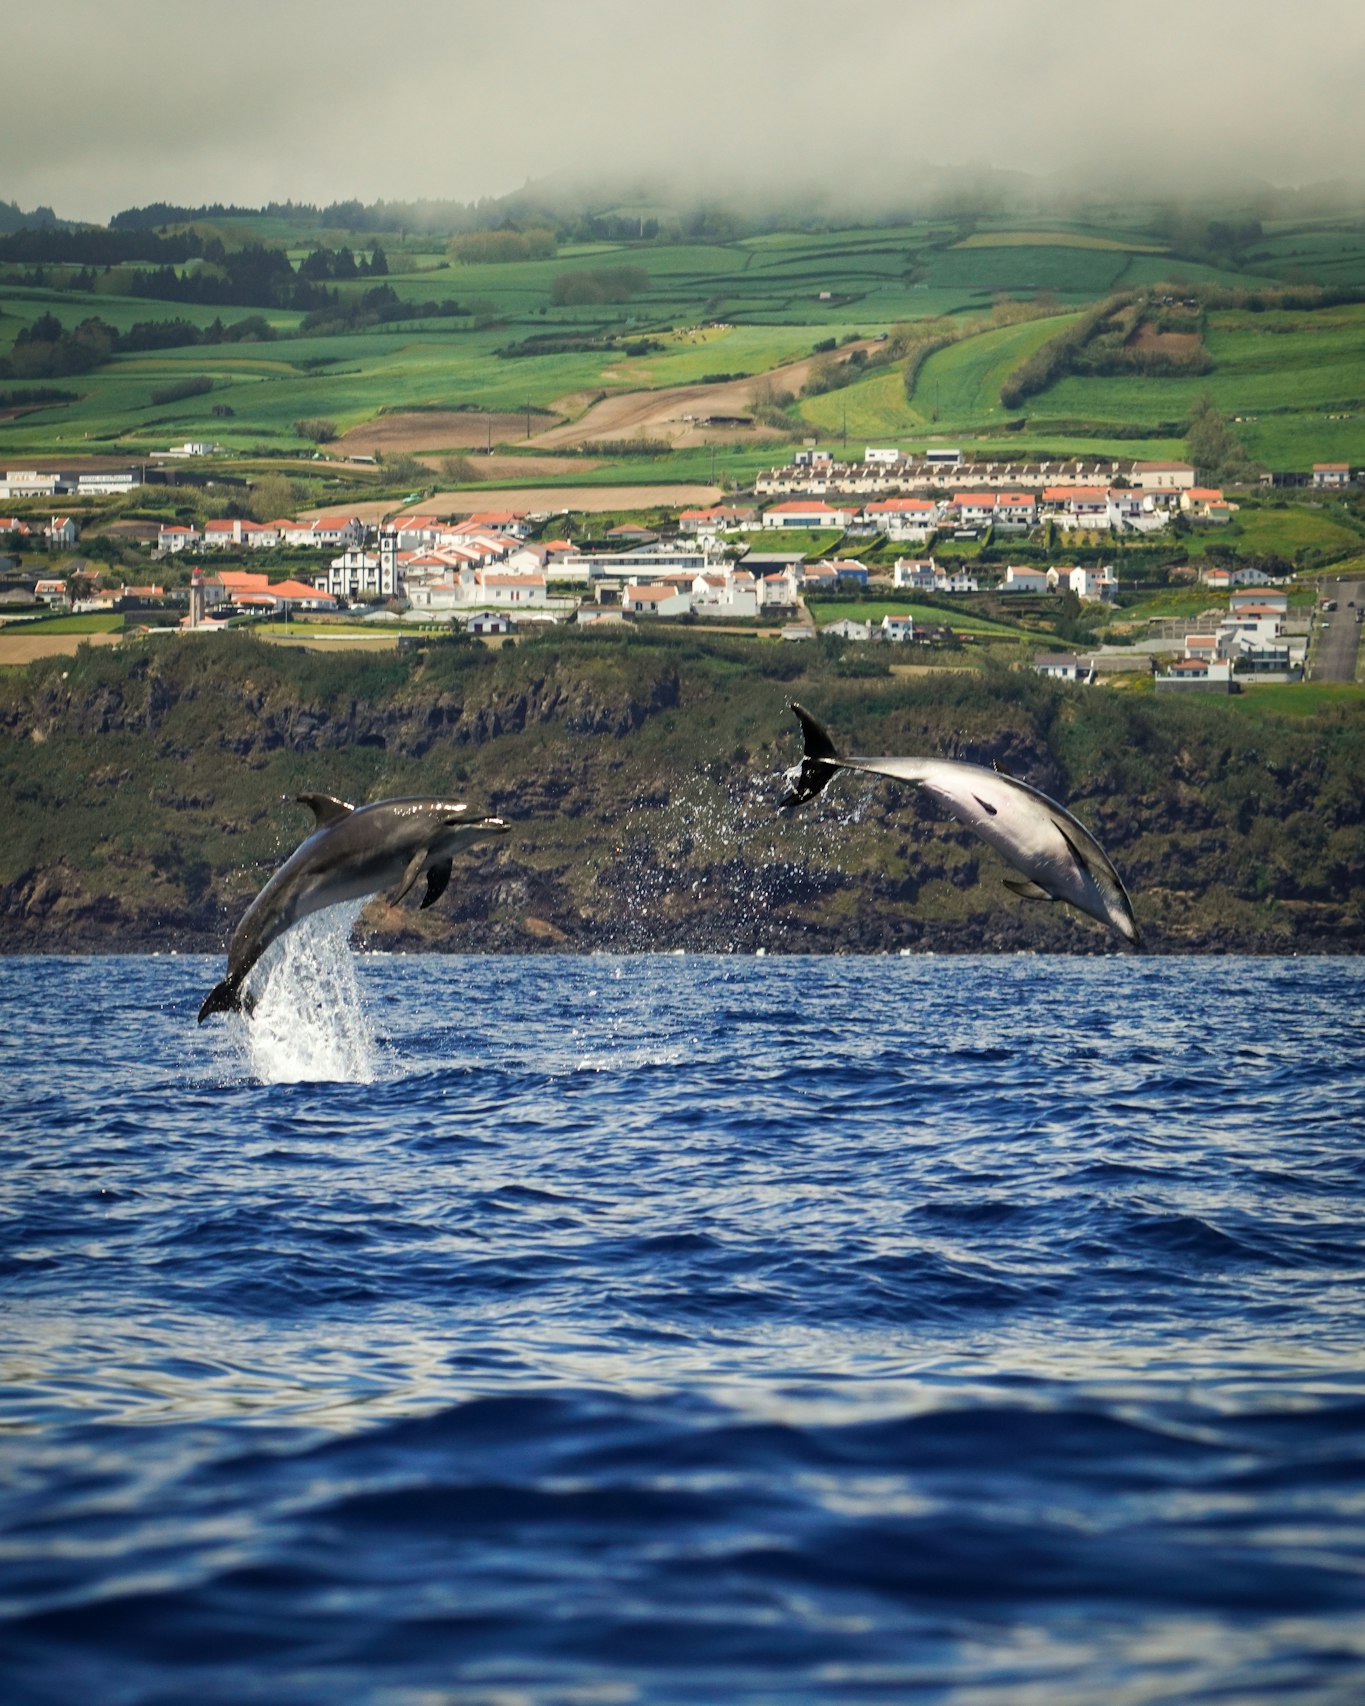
(92, 245)
(379, 306)
(1213, 449)
(343, 264)
(830, 371)
(351, 215)
(1058, 355)
(46, 350)
(251, 277)
(536, 243)
(1215, 240)
(317, 428)
(593, 286)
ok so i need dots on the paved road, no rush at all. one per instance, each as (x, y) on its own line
(1339, 632)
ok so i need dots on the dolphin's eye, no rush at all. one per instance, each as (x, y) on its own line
(986, 806)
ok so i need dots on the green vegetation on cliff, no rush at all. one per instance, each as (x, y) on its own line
(150, 790)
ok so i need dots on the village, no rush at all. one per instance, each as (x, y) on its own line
(497, 572)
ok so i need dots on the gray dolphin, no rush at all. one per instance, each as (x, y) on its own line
(1057, 856)
(353, 851)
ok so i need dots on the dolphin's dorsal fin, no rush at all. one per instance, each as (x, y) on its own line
(1003, 770)
(1029, 890)
(437, 878)
(325, 809)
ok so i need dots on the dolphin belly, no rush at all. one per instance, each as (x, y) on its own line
(352, 854)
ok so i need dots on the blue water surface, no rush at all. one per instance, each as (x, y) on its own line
(684, 1330)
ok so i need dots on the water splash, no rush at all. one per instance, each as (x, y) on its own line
(310, 1021)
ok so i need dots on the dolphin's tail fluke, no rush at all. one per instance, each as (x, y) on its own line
(818, 766)
(224, 997)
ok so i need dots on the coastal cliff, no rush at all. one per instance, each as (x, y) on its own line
(150, 790)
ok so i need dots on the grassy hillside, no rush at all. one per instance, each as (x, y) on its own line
(1292, 382)
(149, 794)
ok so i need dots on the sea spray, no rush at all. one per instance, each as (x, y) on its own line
(310, 1021)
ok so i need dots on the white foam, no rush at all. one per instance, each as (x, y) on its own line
(310, 1021)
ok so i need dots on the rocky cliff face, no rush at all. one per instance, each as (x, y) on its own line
(150, 797)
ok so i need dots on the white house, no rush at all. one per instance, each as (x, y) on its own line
(955, 580)
(902, 518)
(807, 512)
(972, 509)
(1091, 586)
(1331, 474)
(1162, 476)
(61, 530)
(172, 538)
(1077, 506)
(781, 588)
(916, 572)
(848, 629)
(497, 586)
(1062, 666)
(1019, 579)
(1016, 509)
(656, 599)
(736, 597)
(898, 628)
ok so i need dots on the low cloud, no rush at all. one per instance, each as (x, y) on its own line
(107, 107)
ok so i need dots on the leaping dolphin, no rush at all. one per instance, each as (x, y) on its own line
(353, 851)
(1056, 856)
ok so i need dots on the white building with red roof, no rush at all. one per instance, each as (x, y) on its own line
(807, 513)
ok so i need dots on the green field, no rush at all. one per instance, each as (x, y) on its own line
(1292, 383)
(95, 623)
(873, 609)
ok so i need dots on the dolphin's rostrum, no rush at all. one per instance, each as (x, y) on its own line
(353, 851)
(1056, 856)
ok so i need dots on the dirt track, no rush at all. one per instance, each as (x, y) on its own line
(678, 413)
(434, 431)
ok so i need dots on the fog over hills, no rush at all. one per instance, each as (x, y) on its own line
(781, 101)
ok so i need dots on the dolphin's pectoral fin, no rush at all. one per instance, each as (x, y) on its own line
(325, 809)
(410, 876)
(437, 878)
(1029, 890)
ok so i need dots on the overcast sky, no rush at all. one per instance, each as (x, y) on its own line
(107, 106)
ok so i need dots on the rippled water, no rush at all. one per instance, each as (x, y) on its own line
(683, 1330)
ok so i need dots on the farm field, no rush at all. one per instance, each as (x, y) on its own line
(1283, 532)
(702, 323)
(873, 609)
